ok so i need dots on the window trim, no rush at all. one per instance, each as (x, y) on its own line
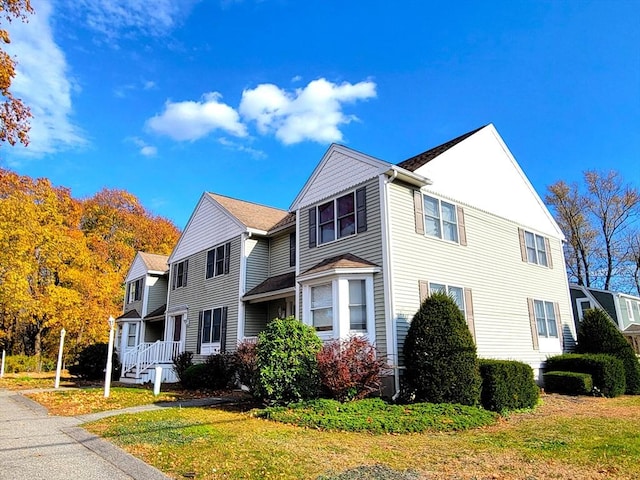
(209, 347)
(219, 265)
(421, 223)
(174, 274)
(134, 291)
(447, 287)
(541, 243)
(358, 214)
(546, 343)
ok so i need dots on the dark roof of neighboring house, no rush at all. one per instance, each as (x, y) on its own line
(289, 220)
(155, 262)
(158, 312)
(273, 284)
(632, 329)
(251, 214)
(347, 260)
(413, 163)
(130, 314)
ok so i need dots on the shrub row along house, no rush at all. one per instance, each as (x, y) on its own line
(363, 243)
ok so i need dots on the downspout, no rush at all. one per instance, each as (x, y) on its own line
(387, 276)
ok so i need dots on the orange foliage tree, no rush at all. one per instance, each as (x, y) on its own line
(63, 261)
(14, 115)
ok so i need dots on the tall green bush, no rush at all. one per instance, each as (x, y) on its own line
(598, 334)
(287, 368)
(440, 355)
(507, 385)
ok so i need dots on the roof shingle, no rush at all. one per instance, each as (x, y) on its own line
(252, 215)
(155, 262)
(347, 260)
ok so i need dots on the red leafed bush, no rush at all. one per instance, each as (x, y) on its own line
(350, 369)
(246, 364)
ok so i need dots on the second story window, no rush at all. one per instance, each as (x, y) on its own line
(440, 219)
(218, 260)
(180, 270)
(135, 290)
(535, 248)
(338, 218)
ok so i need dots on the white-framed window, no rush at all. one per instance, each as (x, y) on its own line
(456, 293)
(321, 308)
(633, 309)
(536, 248)
(135, 290)
(211, 325)
(180, 270)
(340, 306)
(218, 260)
(583, 305)
(440, 219)
(546, 322)
(338, 218)
(132, 335)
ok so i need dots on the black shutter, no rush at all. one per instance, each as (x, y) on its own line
(223, 330)
(198, 345)
(292, 250)
(174, 269)
(313, 236)
(185, 270)
(227, 255)
(361, 209)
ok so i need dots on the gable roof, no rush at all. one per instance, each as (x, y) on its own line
(287, 221)
(130, 314)
(417, 161)
(347, 260)
(155, 262)
(251, 215)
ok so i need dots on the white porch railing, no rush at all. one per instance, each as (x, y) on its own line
(147, 355)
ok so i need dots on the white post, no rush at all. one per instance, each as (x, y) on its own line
(2, 368)
(157, 381)
(59, 367)
(107, 375)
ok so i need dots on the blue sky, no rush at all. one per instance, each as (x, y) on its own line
(170, 98)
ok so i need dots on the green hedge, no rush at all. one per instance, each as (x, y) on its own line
(607, 372)
(507, 385)
(568, 383)
(216, 373)
(24, 363)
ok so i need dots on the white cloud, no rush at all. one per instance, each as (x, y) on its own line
(191, 120)
(42, 82)
(310, 113)
(113, 18)
(253, 152)
(148, 151)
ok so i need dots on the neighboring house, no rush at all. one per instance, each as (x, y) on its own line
(622, 308)
(141, 327)
(365, 241)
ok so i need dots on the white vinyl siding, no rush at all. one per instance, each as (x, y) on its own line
(490, 265)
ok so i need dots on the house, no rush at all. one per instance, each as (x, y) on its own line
(622, 308)
(365, 241)
(140, 339)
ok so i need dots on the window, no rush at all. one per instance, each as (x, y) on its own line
(180, 274)
(545, 319)
(583, 306)
(135, 289)
(218, 260)
(456, 293)
(292, 250)
(322, 307)
(535, 248)
(338, 218)
(211, 325)
(357, 305)
(440, 219)
(132, 335)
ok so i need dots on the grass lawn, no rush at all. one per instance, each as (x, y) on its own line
(27, 381)
(565, 438)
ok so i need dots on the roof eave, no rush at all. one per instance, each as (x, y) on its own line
(407, 176)
(274, 295)
(339, 271)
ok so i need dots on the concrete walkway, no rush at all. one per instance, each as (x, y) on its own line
(37, 446)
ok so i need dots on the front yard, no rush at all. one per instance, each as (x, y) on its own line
(565, 438)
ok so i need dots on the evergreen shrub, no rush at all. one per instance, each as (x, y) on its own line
(216, 373)
(440, 355)
(598, 334)
(91, 363)
(568, 383)
(350, 369)
(194, 377)
(607, 371)
(507, 385)
(181, 362)
(286, 362)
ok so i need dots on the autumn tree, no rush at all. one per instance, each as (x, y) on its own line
(14, 115)
(600, 223)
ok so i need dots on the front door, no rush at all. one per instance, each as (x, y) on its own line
(177, 328)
